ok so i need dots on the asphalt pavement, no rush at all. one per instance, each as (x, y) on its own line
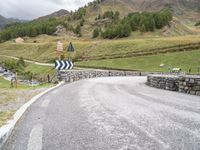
(116, 113)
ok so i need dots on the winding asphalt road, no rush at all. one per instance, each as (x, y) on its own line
(117, 113)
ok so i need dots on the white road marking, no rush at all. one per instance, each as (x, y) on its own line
(45, 103)
(35, 139)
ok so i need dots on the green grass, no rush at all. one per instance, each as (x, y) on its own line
(4, 84)
(4, 116)
(10, 96)
(44, 50)
(183, 60)
(39, 72)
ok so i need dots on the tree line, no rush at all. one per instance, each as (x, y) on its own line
(144, 22)
(30, 29)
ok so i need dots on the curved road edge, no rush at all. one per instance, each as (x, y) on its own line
(7, 129)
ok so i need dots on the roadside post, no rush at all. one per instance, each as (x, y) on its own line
(16, 79)
(59, 49)
(11, 83)
(70, 49)
(48, 78)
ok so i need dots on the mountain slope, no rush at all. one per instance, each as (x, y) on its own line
(179, 7)
(4, 21)
(59, 13)
(185, 12)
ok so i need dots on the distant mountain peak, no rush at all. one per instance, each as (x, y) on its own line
(59, 13)
(5, 21)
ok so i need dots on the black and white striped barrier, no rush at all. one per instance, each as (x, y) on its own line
(64, 65)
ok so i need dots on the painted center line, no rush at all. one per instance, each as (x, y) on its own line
(45, 103)
(35, 139)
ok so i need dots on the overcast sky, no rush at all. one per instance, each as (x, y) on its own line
(30, 9)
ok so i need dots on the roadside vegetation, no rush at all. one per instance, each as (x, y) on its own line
(28, 71)
(11, 99)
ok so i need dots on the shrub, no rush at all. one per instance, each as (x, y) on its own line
(95, 33)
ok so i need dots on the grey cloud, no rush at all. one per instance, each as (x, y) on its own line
(28, 9)
(59, 2)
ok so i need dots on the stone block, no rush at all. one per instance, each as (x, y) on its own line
(198, 93)
(191, 81)
(198, 82)
(196, 88)
(192, 92)
(187, 79)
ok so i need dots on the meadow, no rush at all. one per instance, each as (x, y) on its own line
(44, 48)
(183, 60)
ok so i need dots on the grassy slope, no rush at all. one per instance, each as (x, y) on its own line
(40, 72)
(44, 50)
(4, 116)
(184, 60)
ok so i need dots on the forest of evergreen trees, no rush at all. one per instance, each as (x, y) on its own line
(30, 29)
(144, 22)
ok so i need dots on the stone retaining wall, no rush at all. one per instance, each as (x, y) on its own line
(189, 84)
(185, 84)
(75, 75)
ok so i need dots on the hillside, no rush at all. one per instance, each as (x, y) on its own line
(56, 14)
(179, 7)
(101, 14)
(185, 13)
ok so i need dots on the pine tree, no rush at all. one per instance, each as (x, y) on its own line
(78, 30)
(95, 33)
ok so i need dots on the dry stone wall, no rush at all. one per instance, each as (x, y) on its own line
(185, 84)
(75, 75)
(189, 84)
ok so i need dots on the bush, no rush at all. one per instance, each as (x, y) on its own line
(18, 66)
(118, 31)
(197, 24)
(110, 15)
(77, 30)
(82, 22)
(95, 33)
(79, 14)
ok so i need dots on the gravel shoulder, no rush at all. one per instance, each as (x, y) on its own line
(12, 100)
